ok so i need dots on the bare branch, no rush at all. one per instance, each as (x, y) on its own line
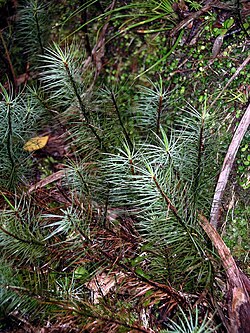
(239, 69)
(238, 282)
(227, 166)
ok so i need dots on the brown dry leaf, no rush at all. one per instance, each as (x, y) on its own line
(101, 284)
(48, 180)
(217, 46)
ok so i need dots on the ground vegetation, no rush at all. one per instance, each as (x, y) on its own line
(124, 174)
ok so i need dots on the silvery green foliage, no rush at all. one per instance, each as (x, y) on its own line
(190, 324)
(165, 181)
(162, 178)
(33, 28)
(21, 235)
(61, 76)
(152, 107)
(23, 252)
(9, 298)
(18, 116)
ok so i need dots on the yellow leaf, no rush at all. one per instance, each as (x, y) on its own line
(36, 143)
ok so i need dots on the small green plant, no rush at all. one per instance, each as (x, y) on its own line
(191, 324)
(194, 5)
(33, 28)
(116, 244)
(243, 168)
(238, 232)
(19, 117)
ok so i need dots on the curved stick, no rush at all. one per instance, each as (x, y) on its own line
(227, 166)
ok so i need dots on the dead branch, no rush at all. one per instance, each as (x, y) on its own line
(239, 69)
(227, 166)
(98, 50)
(48, 180)
(238, 282)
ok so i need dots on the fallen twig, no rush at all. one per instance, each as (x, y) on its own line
(238, 282)
(227, 166)
(49, 179)
(239, 69)
(98, 50)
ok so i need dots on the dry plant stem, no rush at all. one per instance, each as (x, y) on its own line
(105, 319)
(238, 282)
(84, 110)
(126, 268)
(120, 120)
(20, 239)
(239, 69)
(84, 20)
(209, 4)
(191, 17)
(48, 180)
(39, 34)
(26, 325)
(98, 50)
(227, 166)
(134, 328)
(9, 60)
